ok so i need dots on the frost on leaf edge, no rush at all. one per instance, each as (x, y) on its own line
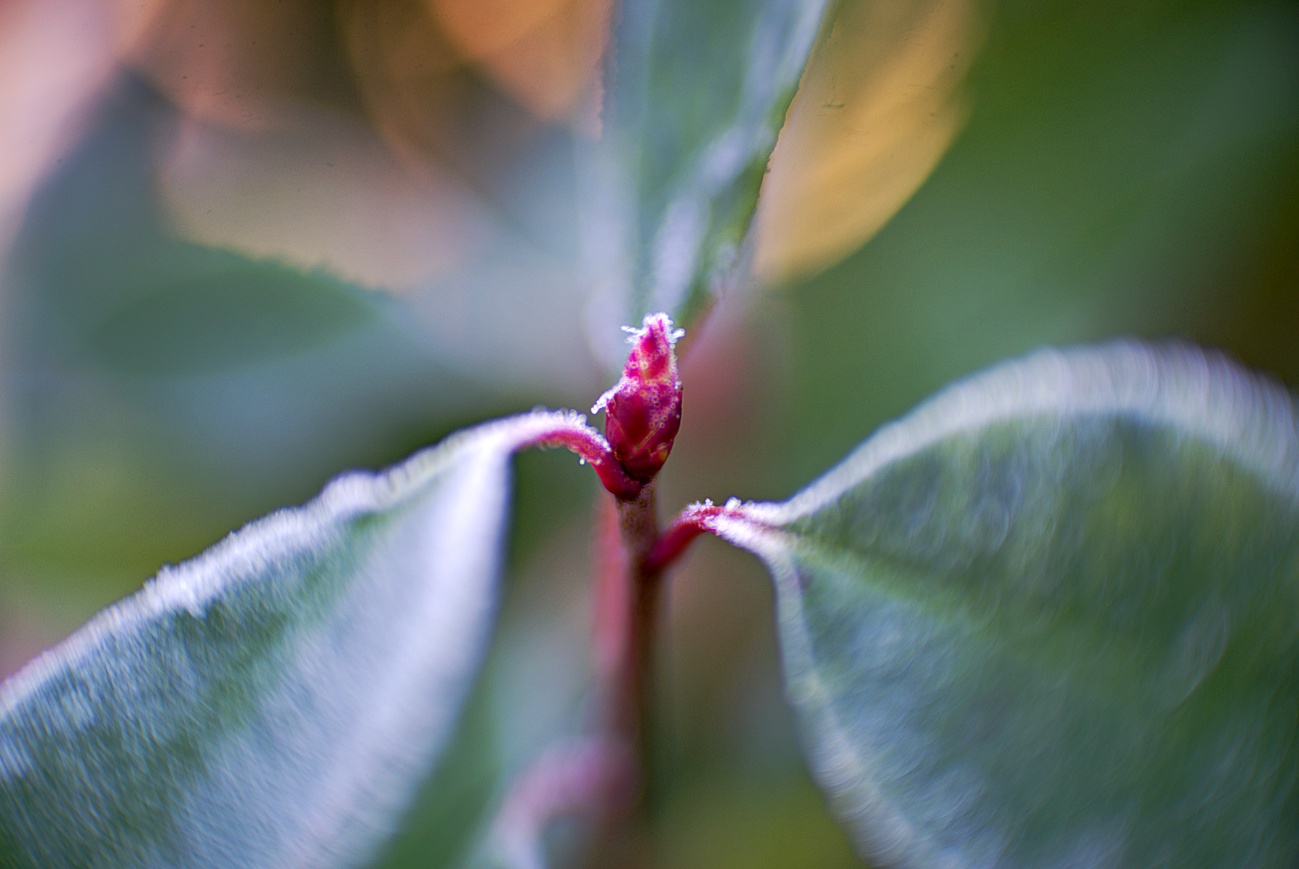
(1202, 393)
(196, 582)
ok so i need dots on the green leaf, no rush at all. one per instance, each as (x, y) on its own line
(695, 97)
(277, 700)
(1050, 618)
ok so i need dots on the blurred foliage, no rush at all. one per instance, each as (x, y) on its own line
(197, 213)
(674, 184)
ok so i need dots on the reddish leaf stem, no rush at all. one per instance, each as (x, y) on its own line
(593, 449)
(677, 537)
(605, 777)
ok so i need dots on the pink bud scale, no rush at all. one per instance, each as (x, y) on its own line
(643, 409)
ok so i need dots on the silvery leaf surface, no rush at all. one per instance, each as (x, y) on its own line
(1049, 618)
(277, 700)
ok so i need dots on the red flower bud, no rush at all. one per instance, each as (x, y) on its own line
(643, 410)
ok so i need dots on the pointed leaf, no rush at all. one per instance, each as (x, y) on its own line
(276, 700)
(1050, 618)
(696, 95)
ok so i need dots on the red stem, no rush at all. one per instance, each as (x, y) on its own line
(594, 450)
(678, 536)
(627, 611)
(629, 711)
(632, 557)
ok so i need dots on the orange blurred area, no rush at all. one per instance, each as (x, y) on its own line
(352, 136)
(234, 63)
(543, 52)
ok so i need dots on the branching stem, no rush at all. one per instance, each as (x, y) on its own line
(642, 415)
(632, 557)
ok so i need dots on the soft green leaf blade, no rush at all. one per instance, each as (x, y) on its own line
(695, 96)
(277, 700)
(1049, 618)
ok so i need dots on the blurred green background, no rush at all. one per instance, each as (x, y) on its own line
(247, 248)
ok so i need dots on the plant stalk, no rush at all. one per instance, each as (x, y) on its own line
(627, 614)
(630, 715)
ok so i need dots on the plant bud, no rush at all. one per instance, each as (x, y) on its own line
(643, 410)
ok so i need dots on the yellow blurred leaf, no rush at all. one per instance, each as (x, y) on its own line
(878, 106)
